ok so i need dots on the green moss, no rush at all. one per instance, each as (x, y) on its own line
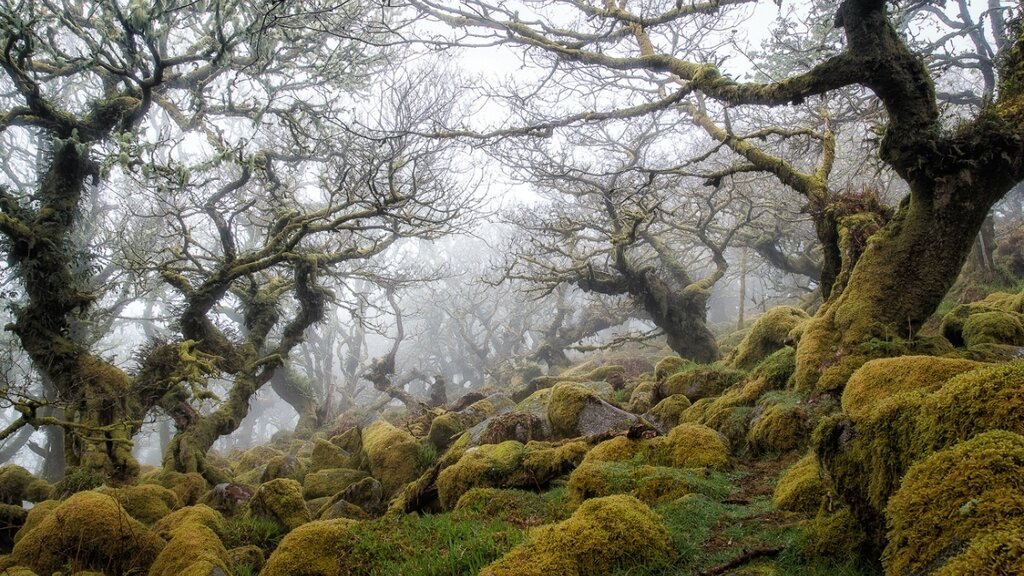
(329, 482)
(485, 466)
(255, 458)
(604, 534)
(89, 530)
(280, 500)
(328, 455)
(649, 484)
(76, 480)
(768, 334)
(147, 503)
(700, 382)
(188, 487)
(518, 507)
(193, 550)
(619, 449)
(189, 516)
(12, 518)
(835, 536)
(670, 365)
(669, 410)
(642, 398)
(247, 560)
(392, 455)
(953, 497)
(567, 401)
(693, 446)
(779, 427)
(311, 549)
(995, 327)
(995, 553)
(879, 379)
(247, 530)
(35, 517)
(800, 488)
(18, 484)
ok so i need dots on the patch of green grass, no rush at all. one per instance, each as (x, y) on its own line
(245, 530)
(428, 545)
(521, 508)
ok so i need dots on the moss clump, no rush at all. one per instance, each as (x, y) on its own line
(879, 379)
(603, 535)
(329, 482)
(953, 497)
(188, 487)
(768, 334)
(287, 466)
(89, 530)
(255, 458)
(700, 382)
(619, 449)
(519, 426)
(575, 410)
(249, 559)
(836, 536)
(995, 327)
(519, 507)
(996, 553)
(280, 500)
(446, 427)
(314, 548)
(800, 488)
(642, 398)
(392, 455)
(147, 503)
(670, 365)
(12, 518)
(193, 550)
(18, 484)
(649, 484)
(189, 516)
(692, 446)
(779, 427)
(35, 516)
(668, 412)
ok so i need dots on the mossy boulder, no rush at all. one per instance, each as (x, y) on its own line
(800, 488)
(519, 426)
(649, 484)
(699, 382)
(692, 446)
(446, 427)
(311, 549)
(575, 410)
(12, 518)
(669, 365)
(519, 507)
(667, 413)
(187, 517)
(147, 503)
(995, 327)
(255, 458)
(642, 398)
(327, 455)
(769, 333)
(89, 530)
(507, 465)
(989, 329)
(882, 378)
(188, 487)
(602, 536)
(35, 516)
(955, 497)
(18, 484)
(367, 495)
(392, 455)
(280, 500)
(330, 482)
(193, 550)
(288, 466)
(779, 427)
(250, 558)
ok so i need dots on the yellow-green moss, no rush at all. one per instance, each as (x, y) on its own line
(89, 530)
(884, 377)
(147, 503)
(669, 410)
(485, 466)
(669, 365)
(565, 405)
(193, 550)
(280, 500)
(250, 557)
(604, 534)
(800, 488)
(329, 482)
(995, 327)
(519, 507)
(18, 484)
(697, 411)
(996, 553)
(392, 455)
(255, 458)
(541, 462)
(188, 487)
(198, 515)
(985, 399)
(700, 382)
(693, 446)
(769, 333)
(311, 549)
(327, 455)
(837, 535)
(22, 571)
(642, 398)
(618, 449)
(35, 517)
(649, 484)
(779, 427)
(953, 497)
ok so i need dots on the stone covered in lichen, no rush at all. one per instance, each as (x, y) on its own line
(885, 377)
(769, 333)
(329, 482)
(602, 536)
(447, 426)
(287, 466)
(89, 530)
(800, 488)
(280, 500)
(666, 414)
(699, 382)
(575, 410)
(147, 503)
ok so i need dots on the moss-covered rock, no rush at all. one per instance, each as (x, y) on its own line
(193, 550)
(667, 413)
(327, 455)
(189, 488)
(642, 398)
(187, 517)
(18, 484)
(800, 488)
(330, 482)
(768, 334)
(574, 410)
(670, 365)
(953, 497)
(35, 516)
(879, 379)
(995, 327)
(280, 500)
(519, 507)
(147, 503)
(359, 500)
(255, 458)
(779, 427)
(693, 446)
(699, 382)
(519, 426)
(249, 558)
(89, 530)
(287, 466)
(446, 427)
(12, 518)
(603, 535)
(311, 549)
(392, 454)
(649, 484)
(994, 553)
